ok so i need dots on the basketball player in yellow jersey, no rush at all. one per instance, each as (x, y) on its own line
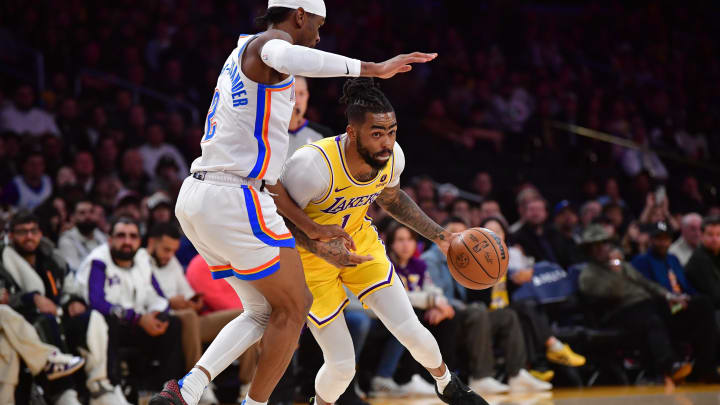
(333, 181)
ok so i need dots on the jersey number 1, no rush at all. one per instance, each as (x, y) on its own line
(345, 220)
(210, 123)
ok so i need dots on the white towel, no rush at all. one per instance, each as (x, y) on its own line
(21, 271)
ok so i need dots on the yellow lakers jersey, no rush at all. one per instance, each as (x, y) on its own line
(347, 199)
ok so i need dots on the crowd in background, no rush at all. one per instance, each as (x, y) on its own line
(477, 128)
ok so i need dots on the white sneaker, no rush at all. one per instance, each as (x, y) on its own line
(68, 397)
(418, 386)
(381, 387)
(525, 382)
(60, 364)
(208, 396)
(488, 385)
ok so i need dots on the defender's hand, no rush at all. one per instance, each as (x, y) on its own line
(398, 64)
(325, 233)
(336, 253)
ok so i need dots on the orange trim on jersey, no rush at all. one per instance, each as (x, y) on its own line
(259, 268)
(261, 220)
(265, 127)
(256, 273)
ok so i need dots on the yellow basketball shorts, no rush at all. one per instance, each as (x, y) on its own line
(326, 281)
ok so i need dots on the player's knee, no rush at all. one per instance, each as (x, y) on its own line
(344, 370)
(258, 313)
(295, 307)
(288, 315)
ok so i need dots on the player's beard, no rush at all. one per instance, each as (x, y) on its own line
(369, 158)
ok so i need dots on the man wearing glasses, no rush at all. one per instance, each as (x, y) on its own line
(36, 277)
(117, 281)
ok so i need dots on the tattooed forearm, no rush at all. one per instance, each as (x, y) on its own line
(398, 204)
(334, 251)
(301, 238)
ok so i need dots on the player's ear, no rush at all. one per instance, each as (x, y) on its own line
(300, 17)
(350, 131)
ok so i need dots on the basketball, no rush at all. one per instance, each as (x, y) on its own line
(477, 258)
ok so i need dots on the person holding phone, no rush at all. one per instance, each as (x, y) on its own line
(198, 326)
(116, 279)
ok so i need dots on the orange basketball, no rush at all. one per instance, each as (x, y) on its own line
(477, 258)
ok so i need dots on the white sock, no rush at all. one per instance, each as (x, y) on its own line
(555, 345)
(250, 401)
(193, 385)
(443, 380)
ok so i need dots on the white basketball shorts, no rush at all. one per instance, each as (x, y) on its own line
(235, 227)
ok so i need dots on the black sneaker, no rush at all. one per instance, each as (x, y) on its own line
(170, 395)
(457, 393)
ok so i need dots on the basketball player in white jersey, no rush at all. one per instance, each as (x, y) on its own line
(224, 207)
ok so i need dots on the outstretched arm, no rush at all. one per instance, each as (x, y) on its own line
(284, 57)
(333, 251)
(401, 207)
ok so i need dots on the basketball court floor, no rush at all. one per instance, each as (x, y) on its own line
(685, 395)
(646, 395)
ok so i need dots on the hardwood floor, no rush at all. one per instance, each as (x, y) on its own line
(685, 395)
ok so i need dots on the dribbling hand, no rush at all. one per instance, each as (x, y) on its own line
(398, 64)
(444, 243)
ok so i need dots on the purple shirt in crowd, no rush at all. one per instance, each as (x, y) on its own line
(412, 275)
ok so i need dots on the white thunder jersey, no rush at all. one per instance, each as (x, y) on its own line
(246, 130)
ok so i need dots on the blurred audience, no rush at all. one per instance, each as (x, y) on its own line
(79, 150)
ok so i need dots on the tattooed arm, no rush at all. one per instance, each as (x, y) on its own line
(401, 207)
(334, 251)
(289, 209)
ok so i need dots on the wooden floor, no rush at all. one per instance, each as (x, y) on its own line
(686, 395)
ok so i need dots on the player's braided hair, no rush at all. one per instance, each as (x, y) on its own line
(362, 95)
